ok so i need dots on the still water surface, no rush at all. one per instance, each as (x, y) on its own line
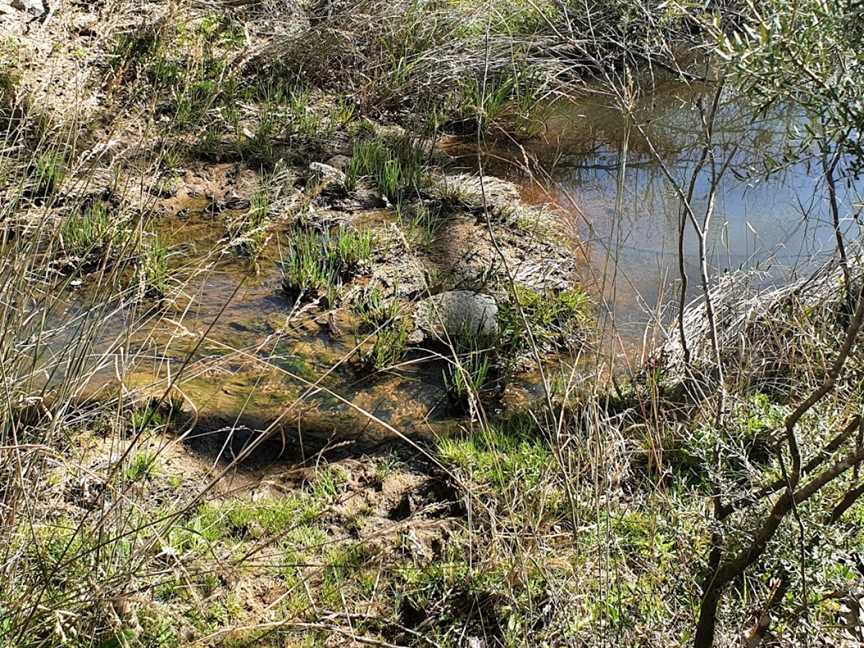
(255, 368)
(603, 174)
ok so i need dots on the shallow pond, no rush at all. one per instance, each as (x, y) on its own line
(261, 365)
(599, 169)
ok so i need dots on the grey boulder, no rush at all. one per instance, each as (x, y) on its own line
(460, 315)
(325, 176)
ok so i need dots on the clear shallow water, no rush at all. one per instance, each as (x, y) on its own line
(603, 174)
(254, 365)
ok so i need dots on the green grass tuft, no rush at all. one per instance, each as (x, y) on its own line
(47, 173)
(142, 466)
(469, 378)
(87, 238)
(316, 263)
(388, 348)
(556, 320)
(153, 271)
(395, 169)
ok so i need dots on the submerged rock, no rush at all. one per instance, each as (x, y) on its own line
(461, 315)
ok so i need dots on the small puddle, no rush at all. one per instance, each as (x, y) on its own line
(262, 362)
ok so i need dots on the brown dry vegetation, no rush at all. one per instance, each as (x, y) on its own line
(224, 421)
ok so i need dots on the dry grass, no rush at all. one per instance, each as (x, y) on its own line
(137, 509)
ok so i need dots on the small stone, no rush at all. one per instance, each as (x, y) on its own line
(461, 315)
(85, 24)
(340, 162)
(34, 7)
(326, 176)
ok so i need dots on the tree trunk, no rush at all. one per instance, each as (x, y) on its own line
(707, 617)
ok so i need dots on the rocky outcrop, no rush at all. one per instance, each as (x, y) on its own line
(324, 176)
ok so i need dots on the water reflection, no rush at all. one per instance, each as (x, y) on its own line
(602, 171)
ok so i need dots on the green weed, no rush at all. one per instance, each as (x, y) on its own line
(509, 103)
(395, 169)
(86, 238)
(375, 309)
(469, 378)
(47, 173)
(317, 262)
(501, 456)
(147, 418)
(185, 67)
(421, 225)
(388, 348)
(153, 271)
(142, 466)
(249, 233)
(555, 320)
(328, 483)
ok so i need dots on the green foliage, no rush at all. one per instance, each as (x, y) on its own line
(555, 320)
(511, 454)
(391, 329)
(395, 169)
(153, 270)
(468, 378)
(148, 418)
(143, 465)
(806, 53)
(509, 103)
(48, 172)
(375, 309)
(282, 112)
(328, 483)
(758, 415)
(183, 64)
(425, 584)
(510, 17)
(271, 517)
(316, 262)
(87, 238)
(248, 232)
(420, 223)
(388, 348)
